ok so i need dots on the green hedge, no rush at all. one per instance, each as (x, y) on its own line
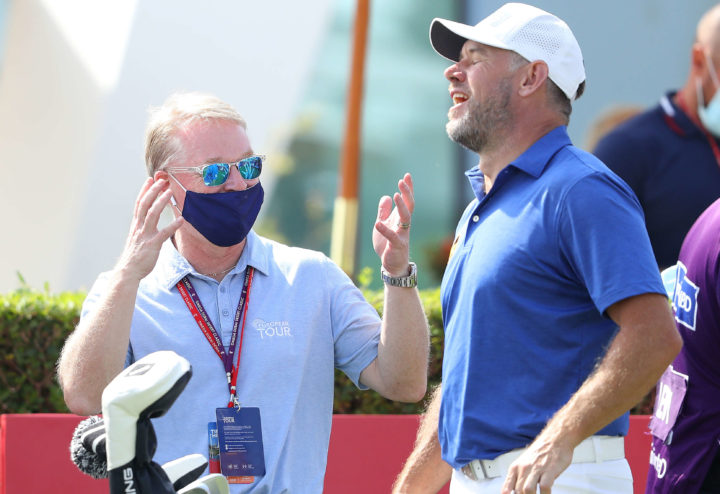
(34, 325)
(347, 397)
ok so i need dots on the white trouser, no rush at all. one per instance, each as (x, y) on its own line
(611, 476)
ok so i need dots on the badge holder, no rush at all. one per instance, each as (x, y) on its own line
(240, 444)
(671, 389)
(213, 448)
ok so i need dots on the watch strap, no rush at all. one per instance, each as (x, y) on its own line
(409, 281)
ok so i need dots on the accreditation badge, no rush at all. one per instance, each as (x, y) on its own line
(213, 448)
(240, 443)
(671, 389)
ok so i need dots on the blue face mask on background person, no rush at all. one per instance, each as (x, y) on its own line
(224, 218)
(710, 114)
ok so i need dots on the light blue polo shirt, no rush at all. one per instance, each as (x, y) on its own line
(536, 263)
(305, 319)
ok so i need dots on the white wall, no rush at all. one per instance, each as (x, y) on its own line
(76, 82)
(77, 78)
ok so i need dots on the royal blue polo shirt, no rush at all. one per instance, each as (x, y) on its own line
(535, 263)
(669, 163)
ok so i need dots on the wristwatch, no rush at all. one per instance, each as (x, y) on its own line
(409, 281)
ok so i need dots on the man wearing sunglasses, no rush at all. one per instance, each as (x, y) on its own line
(263, 325)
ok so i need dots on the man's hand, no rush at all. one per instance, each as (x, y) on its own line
(95, 352)
(645, 344)
(538, 466)
(400, 370)
(391, 235)
(144, 240)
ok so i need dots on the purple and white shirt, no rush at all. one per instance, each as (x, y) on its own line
(686, 419)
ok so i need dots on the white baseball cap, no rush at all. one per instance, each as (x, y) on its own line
(528, 31)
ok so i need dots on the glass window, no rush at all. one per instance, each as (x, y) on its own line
(403, 130)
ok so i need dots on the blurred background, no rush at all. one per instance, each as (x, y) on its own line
(77, 77)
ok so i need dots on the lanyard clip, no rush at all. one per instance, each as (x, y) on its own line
(234, 401)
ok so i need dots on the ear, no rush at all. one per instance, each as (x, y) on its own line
(533, 78)
(161, 175)
(698, 62)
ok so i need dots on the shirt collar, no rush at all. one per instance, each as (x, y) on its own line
(477, 182)
(535, 158)
(675, 116)
(172, 266)
(532, 161)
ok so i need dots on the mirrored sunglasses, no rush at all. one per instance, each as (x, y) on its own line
(215, 174)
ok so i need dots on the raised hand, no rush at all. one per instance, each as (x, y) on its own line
(144, 240)
(391, 234)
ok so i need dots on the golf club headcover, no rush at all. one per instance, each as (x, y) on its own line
(185, 470)
(87, 451)
(87, 447)
(144, 390)
(214, 483)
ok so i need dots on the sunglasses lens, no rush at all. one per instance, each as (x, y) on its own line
(250, 167)
(216, 174)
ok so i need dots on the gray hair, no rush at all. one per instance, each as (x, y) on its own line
(161, 140)
(555, 95)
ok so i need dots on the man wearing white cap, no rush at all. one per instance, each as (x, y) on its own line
(556, 319)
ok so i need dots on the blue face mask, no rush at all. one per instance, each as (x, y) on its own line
(224, 218)
(710, 114)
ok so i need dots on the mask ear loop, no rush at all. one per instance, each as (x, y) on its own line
(700, 95)
(713, 76)
(172, 197)
(713, 73)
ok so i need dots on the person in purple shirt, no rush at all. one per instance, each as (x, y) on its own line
(686, 420)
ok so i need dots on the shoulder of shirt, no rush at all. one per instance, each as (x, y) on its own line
(583, 162)
(283, 254)
(582, 165)
(648, 125)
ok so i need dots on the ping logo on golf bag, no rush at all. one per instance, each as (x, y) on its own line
(129, 480)
(139, 370)
(685, 298)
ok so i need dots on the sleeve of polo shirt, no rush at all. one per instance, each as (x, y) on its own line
(603, 238)
(91, 300)
(93, 295)
(355, 324)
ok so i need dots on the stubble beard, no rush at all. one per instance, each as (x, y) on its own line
(482, 126)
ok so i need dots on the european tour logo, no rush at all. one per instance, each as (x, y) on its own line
(272, 329)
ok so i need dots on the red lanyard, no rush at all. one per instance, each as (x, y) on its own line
(191, 299)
